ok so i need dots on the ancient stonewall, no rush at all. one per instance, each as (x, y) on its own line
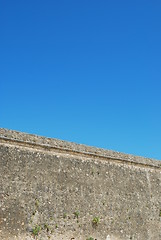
(52, 189)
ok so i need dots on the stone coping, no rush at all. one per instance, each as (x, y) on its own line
(25, 139)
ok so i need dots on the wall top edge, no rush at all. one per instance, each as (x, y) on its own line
(21, 137)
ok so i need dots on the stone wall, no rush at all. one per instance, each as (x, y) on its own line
(52, 189)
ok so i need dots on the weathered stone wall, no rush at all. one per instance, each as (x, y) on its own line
(52, 189)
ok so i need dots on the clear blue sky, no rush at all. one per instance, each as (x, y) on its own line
(84, 71)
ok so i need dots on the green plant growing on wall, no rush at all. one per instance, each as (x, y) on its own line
(90, 238)
(95, 221)
(36, 203)
(36, 230)
(160, 213)
(76, 214)
(65, 215)
(46, 226)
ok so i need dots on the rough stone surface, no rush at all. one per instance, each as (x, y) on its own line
(52, 189)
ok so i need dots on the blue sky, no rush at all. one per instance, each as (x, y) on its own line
(83, 71)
